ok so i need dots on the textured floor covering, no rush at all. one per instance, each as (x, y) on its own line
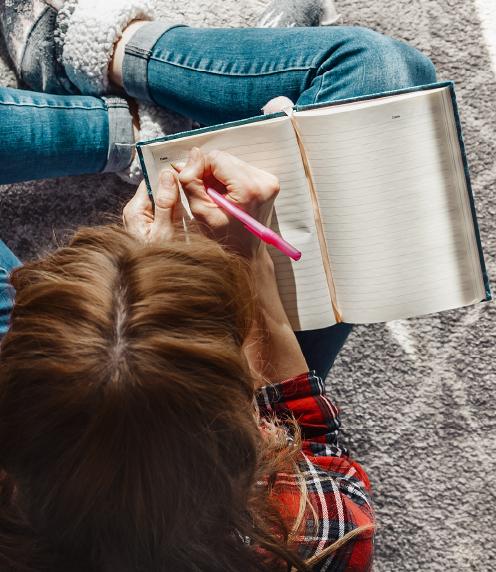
(417, 396)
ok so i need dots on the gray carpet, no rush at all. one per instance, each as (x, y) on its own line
(417, 396)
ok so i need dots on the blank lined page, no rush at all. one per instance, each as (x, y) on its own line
(271, 145)
(395, 206)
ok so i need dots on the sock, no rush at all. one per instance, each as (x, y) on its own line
(28, 28)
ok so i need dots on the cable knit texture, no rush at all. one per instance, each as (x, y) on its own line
(87, 32)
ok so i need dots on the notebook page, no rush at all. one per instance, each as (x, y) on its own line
(271, 145)
(394, 207)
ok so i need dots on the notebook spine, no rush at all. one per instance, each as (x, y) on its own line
(317, 215)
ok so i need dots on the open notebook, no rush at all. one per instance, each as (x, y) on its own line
(375, 193)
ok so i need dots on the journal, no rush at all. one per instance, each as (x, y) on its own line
(375, 193)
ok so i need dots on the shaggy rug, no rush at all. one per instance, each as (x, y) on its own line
(417, 396)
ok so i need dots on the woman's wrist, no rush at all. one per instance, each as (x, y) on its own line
(272, 350)
(266, 289)
(262, 267)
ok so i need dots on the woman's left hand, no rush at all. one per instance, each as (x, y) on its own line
(154, 225)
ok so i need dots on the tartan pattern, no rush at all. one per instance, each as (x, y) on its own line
(338, 486)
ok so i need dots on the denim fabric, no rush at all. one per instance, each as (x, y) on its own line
(45, 136)
(135, 69)
(121, 135)
(214, 75)
(321, 347)
(8, 262)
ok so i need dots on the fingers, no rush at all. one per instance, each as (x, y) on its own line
(231, 171)
(203, 165)
(143, 221)
(253, 189)
(244, 182)
(192, 178)
(140, 201)
(138, 211)
(166, 198)
(192, 173)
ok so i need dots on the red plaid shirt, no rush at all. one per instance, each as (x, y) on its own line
(337, 485)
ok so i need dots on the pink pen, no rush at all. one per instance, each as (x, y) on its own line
(255, 227)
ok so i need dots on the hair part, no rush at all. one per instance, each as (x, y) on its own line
(129, 439)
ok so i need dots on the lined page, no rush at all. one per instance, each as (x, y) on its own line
(271, 145)
(394, 204)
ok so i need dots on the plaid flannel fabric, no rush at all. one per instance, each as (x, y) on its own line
(338, 486)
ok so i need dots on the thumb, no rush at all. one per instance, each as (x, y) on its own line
(166, 198)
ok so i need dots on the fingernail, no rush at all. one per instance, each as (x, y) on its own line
(167, 177)
(178, 165)
(195, 153)
(191, 158)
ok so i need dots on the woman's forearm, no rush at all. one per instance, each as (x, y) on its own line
(272, 348)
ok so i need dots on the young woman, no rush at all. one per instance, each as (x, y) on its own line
(159, 398)
(156, 410)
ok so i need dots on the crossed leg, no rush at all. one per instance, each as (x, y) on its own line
(211, 75)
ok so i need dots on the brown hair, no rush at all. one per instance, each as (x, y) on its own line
(129, 435)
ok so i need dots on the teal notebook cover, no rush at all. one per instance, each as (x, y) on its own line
(254, 119)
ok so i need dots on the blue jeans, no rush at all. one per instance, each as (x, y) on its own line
(8, 261)
(211, 75)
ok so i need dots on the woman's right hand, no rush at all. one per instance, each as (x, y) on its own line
(271, 347)
(251, 188)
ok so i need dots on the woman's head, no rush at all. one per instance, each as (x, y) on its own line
(126, 403)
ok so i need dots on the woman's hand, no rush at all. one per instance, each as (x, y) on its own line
(251, 188)
(272, 349)
(142, 220)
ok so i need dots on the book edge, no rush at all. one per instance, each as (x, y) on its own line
(377, 95)
(485, 276)
(145, 172)
(208, 128)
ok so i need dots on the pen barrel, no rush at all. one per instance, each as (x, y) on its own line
(271, 237)
(254, 226)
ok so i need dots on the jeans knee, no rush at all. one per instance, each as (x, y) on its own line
(390, 63)
(415, 67)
